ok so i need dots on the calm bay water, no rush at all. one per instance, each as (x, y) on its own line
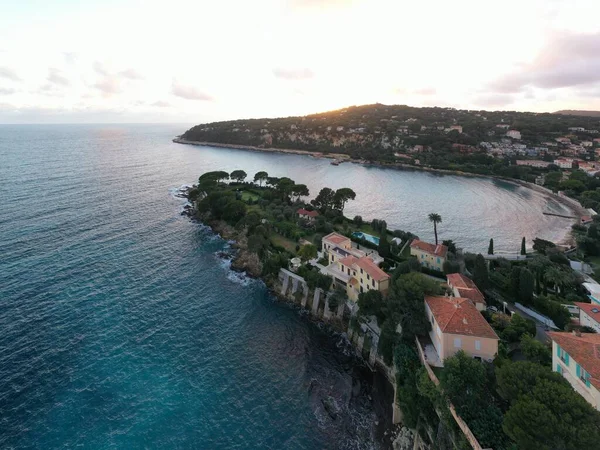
(120, 327)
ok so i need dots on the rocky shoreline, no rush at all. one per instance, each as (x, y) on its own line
(391, 437)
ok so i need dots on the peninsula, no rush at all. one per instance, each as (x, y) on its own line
(457, 334)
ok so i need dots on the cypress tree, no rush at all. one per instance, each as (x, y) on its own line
(480, 273)
(491, 247)
(523, 250)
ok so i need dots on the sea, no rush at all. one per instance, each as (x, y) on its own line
(123, 327)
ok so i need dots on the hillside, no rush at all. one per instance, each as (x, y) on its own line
(574, 112)
(376, 132)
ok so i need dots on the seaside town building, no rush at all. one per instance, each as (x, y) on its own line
(310, 216)
(456, 325)
(352, 269)
(513, 134)
(576, 357)
(533, 163)
(464, 287)
(429, 255)
(589, 315)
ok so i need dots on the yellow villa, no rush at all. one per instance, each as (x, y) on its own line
(429, 255)
(353, 269)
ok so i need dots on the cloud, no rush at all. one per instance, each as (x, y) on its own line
(9, 74)
(100, 69)
(7, 91)
(566, 60)
(70, 57)
(425, 91)
(108, 86)
(55, 77)
(161, 104)
(320, 4)
(131, 74)
(493, 100)
(188, 92)
(293, 74)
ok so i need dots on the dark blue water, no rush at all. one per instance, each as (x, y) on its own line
(120, 327)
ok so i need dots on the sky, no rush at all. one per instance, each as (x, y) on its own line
(125, 61)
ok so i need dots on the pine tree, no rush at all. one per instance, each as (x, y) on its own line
(491, 247)
(523, 250)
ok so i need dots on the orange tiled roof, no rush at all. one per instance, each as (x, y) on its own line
(465, 287)
(304, 212)
(336, 238)
(365, 263)
(456, 315)
(437, 250)
(584, 349)
(590, 309)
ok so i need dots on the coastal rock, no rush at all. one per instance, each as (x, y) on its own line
(404, 440)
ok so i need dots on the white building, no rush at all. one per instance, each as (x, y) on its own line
(589, 315)
(576, 129)
(564, 163)
(576, 358)
(513, 134)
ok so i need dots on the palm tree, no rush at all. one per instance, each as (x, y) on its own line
(435, 218)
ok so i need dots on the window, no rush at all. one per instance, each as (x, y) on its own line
(373, 282)
(361, 271)
(368, 277)
(564, 356)
(348, 270)
(438, 260)
(361, 290)
(477, 345)
(583, 375)
(457, 343)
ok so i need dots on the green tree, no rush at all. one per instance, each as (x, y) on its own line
(535, 351)
(358, 220)
(480, 273)
(387, 340)
(526, 286)
(515, 280)
(261, 177)
(384, 246)
(491, 247)
(517, 327)
(450, 244)
(435, 218)
(307, 252)
(342, 196)
(300, 190)
(258, 243)
(519, 378)
(523, 249)
(238, 175)
(324, 200)
(552, 416)
(234, 211)
(370, 303)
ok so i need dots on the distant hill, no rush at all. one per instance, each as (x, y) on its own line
(377, 132)
(575, 112)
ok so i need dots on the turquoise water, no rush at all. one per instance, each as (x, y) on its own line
(123, 327)
(366, 237)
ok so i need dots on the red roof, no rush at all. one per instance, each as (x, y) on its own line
(456, 315)
(304, 212)
(584, 349)
(465, 287)
(437, 250)
(335, 238)
(365, 263)
(590, 309)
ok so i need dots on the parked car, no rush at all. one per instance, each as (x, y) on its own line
(492, 309)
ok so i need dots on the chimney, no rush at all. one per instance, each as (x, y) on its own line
(465, 321)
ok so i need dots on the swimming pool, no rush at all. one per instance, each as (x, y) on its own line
(367, 237)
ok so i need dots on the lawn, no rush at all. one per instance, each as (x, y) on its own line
(246, 196)
(284, 242)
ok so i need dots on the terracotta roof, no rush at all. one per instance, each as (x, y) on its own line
(304, 212)
(465, 287)
(437, 250)
(591, 309)
(336, 238)
(365, 263)
(456, 315)
(584, 349)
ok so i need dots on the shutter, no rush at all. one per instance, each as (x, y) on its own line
(558, 350)
(578, 370)
(566, 358)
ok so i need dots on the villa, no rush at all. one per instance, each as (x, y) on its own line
(353, 269)
(310, 216)
(576, 357)
(465, 288)
(429, 255)
(456, 324)
(589, 315)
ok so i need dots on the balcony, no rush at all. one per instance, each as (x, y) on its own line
(338, 274)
